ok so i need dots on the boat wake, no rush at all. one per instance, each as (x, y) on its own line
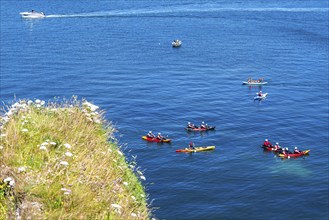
(175, 10)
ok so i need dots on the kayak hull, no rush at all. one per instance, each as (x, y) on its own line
(305, 152)
(156, 140)
(197, 149)
(254, 83)
(201, 129)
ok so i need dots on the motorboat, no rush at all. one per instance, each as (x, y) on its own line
(32, 14)
(176, 43)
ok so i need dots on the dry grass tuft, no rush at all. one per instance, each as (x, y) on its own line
(61, 161)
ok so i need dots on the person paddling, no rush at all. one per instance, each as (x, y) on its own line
(190, 125)
(267, 143)
(191, 146)
(296, 151)
(150, 135)
(203, 125)
(160, 137)
(277, 147)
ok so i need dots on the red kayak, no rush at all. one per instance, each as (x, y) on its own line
(271, 148)
(156, 140)
(294, 154)
(201, 129)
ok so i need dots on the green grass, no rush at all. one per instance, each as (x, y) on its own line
(96, 183)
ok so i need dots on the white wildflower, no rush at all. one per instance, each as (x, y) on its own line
(63, 189)
(120, 153)
(133, 215)
(45, 144)
(67, 192)
(8, 179)
(21, 169)
(42, 147)
(29, 102)
(38, 105)
(125, 183)
(133, 197)
(90, 106)
(1, 147)
(42, 102)
(3, 135)
(110, 150)
(64, 163)
(24, 130)
(12, 183)
(143, 177)
(68, 154)
(116, 206)
(68, 146)
(38, 101)
(53, 143)
(142, 195)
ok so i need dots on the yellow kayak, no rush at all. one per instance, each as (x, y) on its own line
(196, 149)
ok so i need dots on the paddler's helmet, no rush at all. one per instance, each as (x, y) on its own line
(277, 143)
(150, 131)
(287, 148)
(266, 140)
(295, 148)
(159, 133)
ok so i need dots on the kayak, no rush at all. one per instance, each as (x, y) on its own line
(201, 129)
(156, 140)
(197, 149)
(260, 97)
(294, 155)
(254, 83)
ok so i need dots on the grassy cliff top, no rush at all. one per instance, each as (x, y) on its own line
(61, 161)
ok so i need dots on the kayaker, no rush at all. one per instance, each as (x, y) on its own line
(160, 137)
(190, 125)
(276, 146)
(191, 146)
(296, 151)
(150, 135)
(260, 94)
(203, 125)
(287, 151)
(267, 143)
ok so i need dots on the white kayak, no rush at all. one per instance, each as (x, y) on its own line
(254, 83)
(32, 14)
(258, 97)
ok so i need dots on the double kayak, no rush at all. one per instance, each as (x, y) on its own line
(196, 149)
(258, 97)
(165, 140)
(294, 154)
(209, 128)
(254, 83)
(270, 148)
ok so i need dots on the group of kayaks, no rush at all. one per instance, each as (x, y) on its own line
(188, 128)
(284, 152)
(259, 82)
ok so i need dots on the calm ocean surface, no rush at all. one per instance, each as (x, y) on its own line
(118, 55)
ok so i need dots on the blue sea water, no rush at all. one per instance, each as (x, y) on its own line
(118, 55)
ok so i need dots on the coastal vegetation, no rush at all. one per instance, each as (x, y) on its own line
(62, 161)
